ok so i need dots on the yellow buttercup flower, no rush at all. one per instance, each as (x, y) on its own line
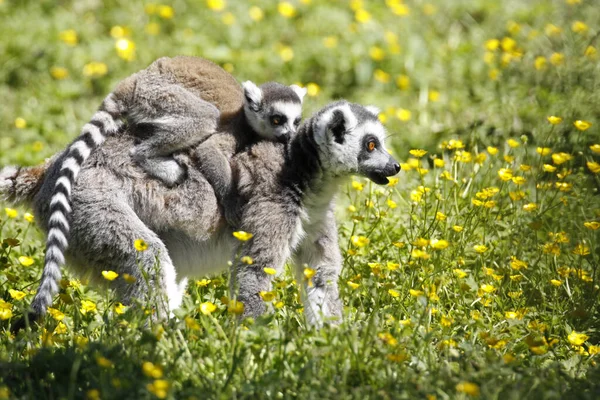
(513, 143)
(286, 9)
(530, 207)
(69, 37)
(110, 275)
(216, 5)
(16, 294)
(561, 158)
(594, 225)
(554, 120)
(394, 292)
(247, 260)
(540, 63)
(207, 308)
(403, 115)
(579, 27)
(418, 152)
(87, 307)
(505, 174)
(480, 248)
(403, 82)
(468, 388)
(256, 13)
(582, 125)
(595, 148)
(235, 307)
(416, 253)
(152, 370)
(548, 168)
(11, 212)
(309, 273)
(359, 241)
(555, 282)
(357, 186)
(557, 58)
(119, 308)
(457, 228)
(242, 236)
(460, 274)
(270, 271)
(56, 314)
(60, 329)
(125, 49)
(95, 69)
(103, 362)
(28, 217)
(440, 244)
(492, 150)
(577, 339)
(26, 261)
(140, 245)
(581, 250)
(353, 285)
(361, 15)
(593, 166)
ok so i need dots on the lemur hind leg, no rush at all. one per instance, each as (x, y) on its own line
(320, 251)
(104, 231)
(171, 118)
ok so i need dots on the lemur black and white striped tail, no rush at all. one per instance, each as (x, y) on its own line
(105, 122)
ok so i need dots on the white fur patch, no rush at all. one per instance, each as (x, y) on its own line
(95, 133)
(252, 91)
(374, 110)
(82, 148)
(55, 253)
(57, 216)
(72, 164)
(60, 198)
(290, 110)
(300, 92)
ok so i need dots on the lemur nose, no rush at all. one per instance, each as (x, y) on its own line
(397, 167)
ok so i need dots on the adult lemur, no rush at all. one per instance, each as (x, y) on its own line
(171, 105)
(287, 194)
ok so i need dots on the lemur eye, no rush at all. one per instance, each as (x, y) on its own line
(371, 145)
(277, 119)
(297, 121)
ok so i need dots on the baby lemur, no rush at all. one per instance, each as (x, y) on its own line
(172, 104)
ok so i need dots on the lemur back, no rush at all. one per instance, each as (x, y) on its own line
(171, 105)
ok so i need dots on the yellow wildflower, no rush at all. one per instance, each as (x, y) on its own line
(103, 362)
(11, 212)
(591, 52)
(119, 308)
(459, 273)
(25, 261)
(359, 241)
(582, 125)
(517, 264)
(492, 150)
(235, 307)
(540, 63)
(595, 148)
(247, 260)
(594, 225)
(59, 73)
(165, 12)
(555, 282)
(312, 89)
(28, 217)
(468, 388)
(207, 308)
(242, 236)
(530, 207)
(403, 82)
(418, 152)
(513, 143)
(517, 195)
(257, 14)
(505, 174)
(152, 370)
(60, 329)
(353, 285)
(519, 180)
(125, 49)
(416, 253)
(286, 9)
(440, 244)
(69, 37)
(457, 228)
(129, 278)
(403, 114)
(577, 339)
(140, 245)
(56, 314)
(216, 5)
(480, 248)
(593, 166)
(485, 288)
(554, 120)
(87, 307)
(492, 44)
(438, 162)
(95, 69)
(579, 27)
(581, 250)
(110, 275)
(357, 186)
(16, 294)
(557, 58)
(560, 158)
(269, 271)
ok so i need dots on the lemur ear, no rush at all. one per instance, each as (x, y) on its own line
(253, 95)
(341, 122)
(301, 92)
(374, 110)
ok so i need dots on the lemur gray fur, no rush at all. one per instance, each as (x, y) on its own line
(287, 191)
(173, 104)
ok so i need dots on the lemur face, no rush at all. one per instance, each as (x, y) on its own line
(273, 110)
(351, 140)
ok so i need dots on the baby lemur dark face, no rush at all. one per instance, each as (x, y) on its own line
(273, 110)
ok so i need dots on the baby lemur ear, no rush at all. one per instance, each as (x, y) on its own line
(301, 92)
(342, 121)
(373, 110)
(253, 95)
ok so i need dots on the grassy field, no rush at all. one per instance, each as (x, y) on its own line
(474, 274)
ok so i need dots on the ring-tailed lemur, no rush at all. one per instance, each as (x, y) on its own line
(170, 105)
(287, 192)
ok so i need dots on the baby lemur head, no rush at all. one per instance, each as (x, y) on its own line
(273, 110)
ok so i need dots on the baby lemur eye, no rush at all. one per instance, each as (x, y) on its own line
(277, 119)
(297, 121)
(371, 145)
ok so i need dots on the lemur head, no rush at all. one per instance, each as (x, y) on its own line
(350, 139)
(273, 110)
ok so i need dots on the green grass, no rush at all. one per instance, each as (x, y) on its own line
(421, 320)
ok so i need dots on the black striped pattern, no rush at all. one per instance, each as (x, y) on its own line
(93, 135)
